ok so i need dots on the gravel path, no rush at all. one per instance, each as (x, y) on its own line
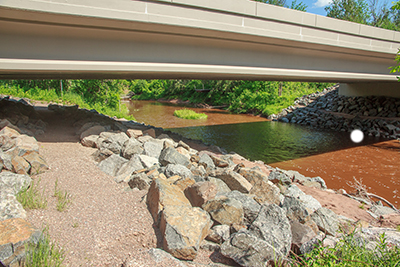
(106, 224)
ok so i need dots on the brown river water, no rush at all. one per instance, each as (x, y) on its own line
(328, 154)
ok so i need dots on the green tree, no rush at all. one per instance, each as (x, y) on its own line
(350, 10)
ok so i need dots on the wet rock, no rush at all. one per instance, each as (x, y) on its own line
(219, 233)
(234, 181)
(169, 155)
(112, 164)
(162, 194)
(225, 210)
(140, 181)
(250, 207)
(183, 229)
(327, 221)
(199, 193)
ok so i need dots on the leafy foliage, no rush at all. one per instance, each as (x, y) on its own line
(189, 114)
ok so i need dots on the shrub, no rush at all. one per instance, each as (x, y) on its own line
(189, 114)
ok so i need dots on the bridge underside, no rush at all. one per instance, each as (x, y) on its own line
(39, 45)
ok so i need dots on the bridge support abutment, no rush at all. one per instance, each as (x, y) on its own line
(391, 89)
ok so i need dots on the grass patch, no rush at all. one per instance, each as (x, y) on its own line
(189, 114)
(31, 198)
(45, 254)
(352, 251)
(64, 199)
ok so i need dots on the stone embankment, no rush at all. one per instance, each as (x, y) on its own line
(374, 115)
(19, 157)
(204, 199)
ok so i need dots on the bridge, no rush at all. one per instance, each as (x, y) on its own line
(189, 39)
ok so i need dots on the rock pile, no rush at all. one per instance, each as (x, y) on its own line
(199, 199)
(369, 114)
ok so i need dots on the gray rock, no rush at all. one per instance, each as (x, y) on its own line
(295, 176)
(327, 221)
(112, 164)
(127, 169)
(248, 250)
(140, 181)
(169, 155)
(90, 141)
(310, 202)
(177, 169)
(153, 148)
(210, 246)
(13, 181)
(160, 255)
(266, 192)
(131, 147)
(319, 180)
(115, 142)
(206, 161)
(277, 176)
(293, 191)
(148, 161)
(273, 226)
(234, 181)
(250, 207)
(219, 233)
(295, 210)
(381, 210)
(301, 234)
(9, 205)
(253, 175)
(310, 245)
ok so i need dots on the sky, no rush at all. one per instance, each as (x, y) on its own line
(316, 6)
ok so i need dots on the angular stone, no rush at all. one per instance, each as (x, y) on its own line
(115, 142)
(177, 169)
(225, 210)
(219, 233)
(301, 234)
(26, 143)
(235, 181)
(9, 205)
(101, 154)
(148, 161)
(279, 177)
(310, 202)
(218, 162)
(327, 221)
(6, 142)
(131, 147)
(199, 193)
(252, 175)
(169, 155)
(90, 141)
(10, 132)
(37, 162)
(124, 173)
(293, 191)
(20, 165)
(162, 194)
(266, 192)
(94, 130)
(16, 182)
(112, 164)
(273, 226)
(184, 145)
(221, 185)
(250, 207)
(153, 149)
(183, 152)
(206, 162)
(151, 132)
(132, 133)
(183, 229)
(295, 210)
(181, 182)
(381, 210)
(160, 255)
(140, 181)
(248, 250)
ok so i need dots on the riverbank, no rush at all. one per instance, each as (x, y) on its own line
(373, 115)
(108, 224)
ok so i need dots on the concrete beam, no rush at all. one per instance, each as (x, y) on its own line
(390, 89)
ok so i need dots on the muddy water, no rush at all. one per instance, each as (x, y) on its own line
(330, 155)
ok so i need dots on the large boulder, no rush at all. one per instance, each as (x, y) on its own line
(162, 194)
(169, 155)
(16, 182)
(183, 229)
(248, 250)
(114, 142)
(26, 143)
(148, 161)
(295, 210)
(225, 210)
(250, 207)
(177, 169)
(266, 192)
(273, 226)
(219, 233)
(221, 185)
(234, 181)
(90, 141)
(126, 170)
(131, 147)
(301, 234)
(206, 161)
(112, 164)
(9, 205)
(253, 175)
(20, 165)
(327, 221)
(199, 193)
(153, 148)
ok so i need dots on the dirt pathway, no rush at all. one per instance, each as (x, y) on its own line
(105, 225)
